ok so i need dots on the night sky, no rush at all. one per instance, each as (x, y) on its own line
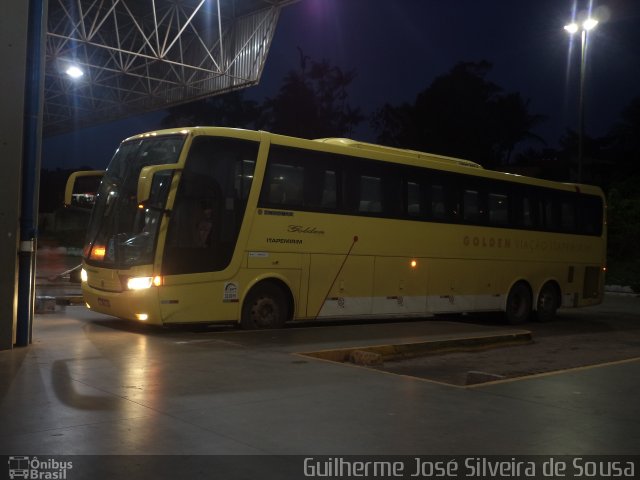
(398, 47)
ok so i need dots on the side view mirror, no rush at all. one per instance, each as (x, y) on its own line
(83, 199)
(145, 180)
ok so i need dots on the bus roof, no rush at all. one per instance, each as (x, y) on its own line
(347, 142)
(457, 162)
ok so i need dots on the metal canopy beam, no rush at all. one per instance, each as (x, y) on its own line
(143, 55)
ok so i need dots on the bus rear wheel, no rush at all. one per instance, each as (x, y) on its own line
(265, 307)
(519, 303)
(548, 303)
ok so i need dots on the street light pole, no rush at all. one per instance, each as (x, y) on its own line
(583, 51)
(588, 24)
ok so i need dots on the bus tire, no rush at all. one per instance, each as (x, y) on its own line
(264, 307)
(519, 304)
(548, 302)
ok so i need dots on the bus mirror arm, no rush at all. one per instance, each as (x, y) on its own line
(71, 181)
(145, 180)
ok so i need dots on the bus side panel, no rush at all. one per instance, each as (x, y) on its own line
(463, 286)
(340, 292)
(211, 301)
(200, 301)
(283, 266)
(400, 288)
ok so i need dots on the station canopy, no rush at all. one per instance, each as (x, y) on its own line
(110, 59)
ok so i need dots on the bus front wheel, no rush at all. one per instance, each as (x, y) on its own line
(265, 307)
(519, 303)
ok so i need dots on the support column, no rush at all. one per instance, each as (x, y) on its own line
(32, 147)
(22, 40)
(13, 51)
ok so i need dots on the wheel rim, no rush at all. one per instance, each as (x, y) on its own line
(547, 301)
(265, 312)
(519, 305)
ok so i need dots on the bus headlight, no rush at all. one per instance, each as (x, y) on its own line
(141, 283)
(83, 275)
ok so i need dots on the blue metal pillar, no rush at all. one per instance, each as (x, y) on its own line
(33, 109)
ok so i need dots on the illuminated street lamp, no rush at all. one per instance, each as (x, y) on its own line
(584, 27)
(74, 72)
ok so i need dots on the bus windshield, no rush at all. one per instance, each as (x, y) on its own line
(120, 234)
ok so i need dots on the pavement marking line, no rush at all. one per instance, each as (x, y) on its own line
(555, 372)
(421, 347)
(473, 386)
(363, 367)
(477, 385)
(341, 355)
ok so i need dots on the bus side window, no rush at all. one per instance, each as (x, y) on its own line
(471, 205)
(303, 179)
(527, 218)
(498, 209)
(438, 210)
(452, 202)
(414, 199)
(320, 183)
(284, 185)
(549, 214)
(243, 178)
(370, 200)
(209, 205)
(568, 216)
(329, 198)
(393, 201)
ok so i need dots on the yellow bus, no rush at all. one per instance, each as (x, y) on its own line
(210, 224)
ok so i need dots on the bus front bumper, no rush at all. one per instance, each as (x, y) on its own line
(138, 305)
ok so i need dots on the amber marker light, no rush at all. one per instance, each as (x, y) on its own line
(142, 316)
(98, 252)
(413, 263)
(157, 280)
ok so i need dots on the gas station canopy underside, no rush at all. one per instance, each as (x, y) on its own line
(134, 56)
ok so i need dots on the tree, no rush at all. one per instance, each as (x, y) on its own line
(597, 168)
(516, 124)
(312, 102)
(460, 114)
(623, 199)
(226, 110)
(623, 215)
(625, 137)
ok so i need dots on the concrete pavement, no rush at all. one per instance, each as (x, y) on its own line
(91, 384)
